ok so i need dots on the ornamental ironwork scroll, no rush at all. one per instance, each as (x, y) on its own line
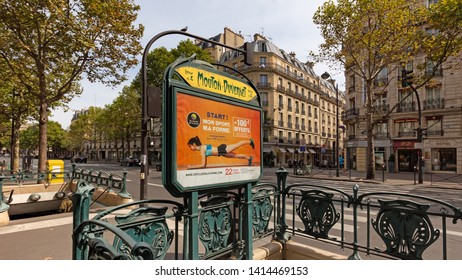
(215, 223)
(141, 226)
(317, 212)
(262, 210)
(405, 228)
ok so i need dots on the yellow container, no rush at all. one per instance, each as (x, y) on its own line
(56, 169)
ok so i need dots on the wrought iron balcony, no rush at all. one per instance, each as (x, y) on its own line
(351, 113)
(432, 104)
(406, 107)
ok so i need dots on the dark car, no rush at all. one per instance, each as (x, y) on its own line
(131, 161)
(79, 159)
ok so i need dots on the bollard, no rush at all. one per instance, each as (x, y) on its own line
(383, 173)
(415, 171)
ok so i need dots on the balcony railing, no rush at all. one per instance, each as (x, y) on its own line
(350, 114)
(406, 107)
(431, 104)
(407, 134)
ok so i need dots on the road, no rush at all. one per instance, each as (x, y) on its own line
(34, 235)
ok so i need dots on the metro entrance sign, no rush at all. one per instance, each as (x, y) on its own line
(211, 131)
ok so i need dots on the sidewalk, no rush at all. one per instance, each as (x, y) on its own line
(435, 180)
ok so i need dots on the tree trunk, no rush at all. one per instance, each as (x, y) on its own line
(43, 122)
(15, 145)
(370, 153)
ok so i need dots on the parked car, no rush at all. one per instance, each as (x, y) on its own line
(131, 161)
(79, 159)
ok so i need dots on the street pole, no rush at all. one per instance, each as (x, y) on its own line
(419, 135)
(144, 102)
(336, 133)
(325, 76)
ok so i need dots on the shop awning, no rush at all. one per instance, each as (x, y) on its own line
(311, 151)
(282, 150)
(266, 149)
(290, 150)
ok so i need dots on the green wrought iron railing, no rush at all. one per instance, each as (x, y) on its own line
(119, 232)
(384, 224)
(109, 181)
(378, 225)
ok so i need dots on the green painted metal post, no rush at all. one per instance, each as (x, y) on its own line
(281, 234)
(3, 206)
(193, 212)
(355, 255)
(247, 215)
(123, 190)
(81, 201)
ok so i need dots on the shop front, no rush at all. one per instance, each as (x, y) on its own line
(442, 154)
(407, 155)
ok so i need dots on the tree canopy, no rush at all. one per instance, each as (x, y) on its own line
(373, 37)
(50, 45)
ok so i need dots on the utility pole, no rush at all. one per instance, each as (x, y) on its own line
(406, 81)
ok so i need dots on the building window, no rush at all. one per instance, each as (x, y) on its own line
(444, 159)
(262, 61)
(435, 126)
(281, 102)
(432, 93)
(406, 128)
(264, 98)
(381, 130)
(430, 68)
(352, 83)
(263, 80)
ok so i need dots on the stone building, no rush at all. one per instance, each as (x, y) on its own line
(300, 108)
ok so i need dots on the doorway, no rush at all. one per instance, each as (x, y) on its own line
(407, 159)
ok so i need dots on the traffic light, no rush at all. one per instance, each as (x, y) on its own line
(248, 55)
(406, 77)
(422, 134)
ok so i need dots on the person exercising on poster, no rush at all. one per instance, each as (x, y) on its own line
(223, 150)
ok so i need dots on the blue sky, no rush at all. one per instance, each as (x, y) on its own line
(288, 24)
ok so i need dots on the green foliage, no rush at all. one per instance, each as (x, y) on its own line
(373, 37)
(48, 46)
(160, 58)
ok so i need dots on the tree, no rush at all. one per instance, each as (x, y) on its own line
(50, 45)
(373, 37)
(127, 107)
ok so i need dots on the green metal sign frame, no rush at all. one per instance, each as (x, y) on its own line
(211, 129)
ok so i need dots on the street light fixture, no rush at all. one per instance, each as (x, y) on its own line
(326, 76)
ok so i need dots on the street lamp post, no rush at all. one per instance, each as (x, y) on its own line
(326, 76)
(144, 98)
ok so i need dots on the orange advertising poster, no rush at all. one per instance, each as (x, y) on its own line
(216, 142)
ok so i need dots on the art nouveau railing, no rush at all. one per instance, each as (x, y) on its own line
(160, 229)
(381, 224)
(384, 224)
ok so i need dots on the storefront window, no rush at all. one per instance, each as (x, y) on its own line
(444, 159)
(379, 158)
